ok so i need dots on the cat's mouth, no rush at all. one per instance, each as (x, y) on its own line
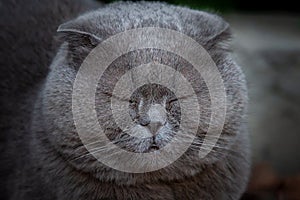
(153, 147)
(144, 145)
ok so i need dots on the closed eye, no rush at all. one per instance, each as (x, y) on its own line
(172, 100)
(116, 97)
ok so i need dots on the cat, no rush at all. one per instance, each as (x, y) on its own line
(44, 157)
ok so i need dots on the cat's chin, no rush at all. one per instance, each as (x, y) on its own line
(179, 170)
(110, 175)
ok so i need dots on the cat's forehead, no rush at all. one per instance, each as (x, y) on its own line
(118, 17)
(153, 91)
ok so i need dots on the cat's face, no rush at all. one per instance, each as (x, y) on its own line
(154, 109)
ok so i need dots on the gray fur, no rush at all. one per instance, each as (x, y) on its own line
(42, 145)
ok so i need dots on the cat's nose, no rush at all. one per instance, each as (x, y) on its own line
(154, 127)
(144, 120)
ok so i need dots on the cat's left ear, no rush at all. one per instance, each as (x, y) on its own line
(208, 29)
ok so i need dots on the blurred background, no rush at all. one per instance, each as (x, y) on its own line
(267, 46)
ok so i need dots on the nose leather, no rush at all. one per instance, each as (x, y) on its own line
(157, 116)
(154, 127)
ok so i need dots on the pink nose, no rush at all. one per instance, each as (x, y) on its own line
(154, 127)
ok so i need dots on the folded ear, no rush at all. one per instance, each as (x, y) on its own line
(80, 41)
(208, 29)
(78, 26)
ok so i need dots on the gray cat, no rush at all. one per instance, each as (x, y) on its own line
(43, 156)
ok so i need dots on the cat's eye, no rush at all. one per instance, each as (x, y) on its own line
(170, 102)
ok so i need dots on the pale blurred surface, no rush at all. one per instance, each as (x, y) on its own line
(268, 49)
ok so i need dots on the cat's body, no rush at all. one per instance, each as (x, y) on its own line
(26, 51)
(40, 140)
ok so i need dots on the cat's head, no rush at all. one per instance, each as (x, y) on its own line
(154, 109)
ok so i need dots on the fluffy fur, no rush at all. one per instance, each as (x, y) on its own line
(41, 143)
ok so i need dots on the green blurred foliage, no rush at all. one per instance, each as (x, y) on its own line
(216, 5)
(221, 6)
(211, 5)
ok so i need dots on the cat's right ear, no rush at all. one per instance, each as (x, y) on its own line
(79, 41)
(74, 31)
(74, 27)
